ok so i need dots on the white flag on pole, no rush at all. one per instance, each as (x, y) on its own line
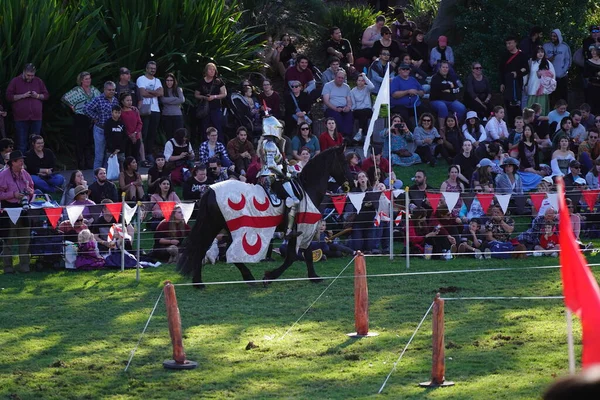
(383, 97)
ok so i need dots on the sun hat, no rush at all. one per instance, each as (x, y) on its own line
(472, 114)
(486, 162)
(80, 189)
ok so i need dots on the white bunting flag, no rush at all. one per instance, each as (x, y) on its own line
(128, 213)
(187, 209)
(451, 199)
(73, 212)
(553, 199)
(397, 192)
(14, 213)
(503, 199)
(356, 199)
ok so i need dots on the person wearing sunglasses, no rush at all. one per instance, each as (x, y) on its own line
(478, 91)
(593, 38)
(429, 142)
(297, 107)
(378, 68)
(406, 93)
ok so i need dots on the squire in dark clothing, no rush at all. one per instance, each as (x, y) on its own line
(115, 135)
(513, 86)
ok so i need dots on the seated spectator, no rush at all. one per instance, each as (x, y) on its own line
(337, 99)
(452, 135)
(81, 199)
(556, 115)
(361, 220)
(401, 140)
(467, 163)
(427, 231)
(241, 150)
(101, 229)
(305, 138)
(75, 180)
(378, 68)
(6, 146)
(472, 240)
(472, 128)
(271, 98)
(574, 183)
(388, 44)
(130, 115)
(509, 182)
(209, 148)
(514, 137)
(531, 237)
(329, 73)
(483, 176)
(589, 150)
(529, 154)
(102, 188)
(588, 120)
(297, 107)
(566, 126)
(195, 187)
(362, 109)
(499, 229)
(130, 181)
(403, 30)
(376, 159)
(592, 178)
(578, 133)
(302, 73)
(71, 232)
(406, 93)
(169, 236)
(342, 49)
(88, 255)
(305, 157)
(218, 173)
(353, 160)
(40, 165)
(442, 52)
(428, 140)
(417, 190)
(478, 92)
(549, 245)
(443, 95)
(156, 172)
(496, 129)
(179, 154)
(331, 137)
(419, 50)
(164, 192)
(561, 158)
(453, 185)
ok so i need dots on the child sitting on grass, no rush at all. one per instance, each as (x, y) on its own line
(548, 242)
(88, 256)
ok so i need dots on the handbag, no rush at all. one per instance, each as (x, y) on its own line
(112, 172)
(146, 109)
(501, 249)
(202, 109)
(403, 153)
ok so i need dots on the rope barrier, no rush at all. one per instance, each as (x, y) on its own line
(505, 298)
(143, 331)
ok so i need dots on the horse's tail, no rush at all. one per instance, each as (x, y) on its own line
(192, 254)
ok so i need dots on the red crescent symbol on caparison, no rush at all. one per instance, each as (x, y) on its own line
(261, 206)
(237, 206)
(251, 249)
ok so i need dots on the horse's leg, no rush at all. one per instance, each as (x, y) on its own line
(310, 266)
(290, 257)
(246, 274)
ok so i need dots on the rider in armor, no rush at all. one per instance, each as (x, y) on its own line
(275, 174)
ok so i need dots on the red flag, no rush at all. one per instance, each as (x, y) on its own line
(167, 208)
(53, 215)
(537, 199)
(485, 199)
(582, 295)
(339, 202)
(388, 194)
(115, 209)
(434, 200)
(590, 197)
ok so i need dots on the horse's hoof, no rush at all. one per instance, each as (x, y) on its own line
(199, 286)
(267, 278)
(316, 279)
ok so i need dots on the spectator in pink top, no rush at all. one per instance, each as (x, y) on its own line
(27, 92)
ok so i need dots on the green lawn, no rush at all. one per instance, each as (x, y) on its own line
(68, 335)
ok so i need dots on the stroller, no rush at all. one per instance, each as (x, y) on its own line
(237, 114)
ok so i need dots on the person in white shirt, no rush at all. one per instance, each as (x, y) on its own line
(362, 109)
(150, 90)
(496, 129)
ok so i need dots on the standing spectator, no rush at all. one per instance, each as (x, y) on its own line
(27, 92)
(443, 95)
(241, 151)
(195, 187)
(591, 70)
(541, 81)
(124, 85)
(378, 69)
(342, 49)
(158, 171)
(100, 111)
(76, 99)
(15, 183)
(513, 67)
(172, 117)
(402, 29)
(419, 51)
(212, 147)
(130, 181)
(478, 92)
(428, 140)
(164, 192)
(301, 73)
(337, 99)
(102, 188)
(331, 137)
(40, 165)
(150, 89)
(406, 93)
(304, 138)
(75, 180)
(559, 54)
(271, 98)
(130, 115)
(212, 89)
(529, 44)
(179, 154)
(362, 110)
(115, 134)
(442, 52)
(297, 107)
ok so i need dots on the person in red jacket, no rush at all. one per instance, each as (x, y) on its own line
(331, 137)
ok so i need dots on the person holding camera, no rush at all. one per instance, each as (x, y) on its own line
(400, 143)
(16, 190)
(428, 140)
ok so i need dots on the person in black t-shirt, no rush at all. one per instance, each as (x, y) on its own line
(195, 187)
(467, 162)
(342, 49)
(115, 134)
(102, 188)
(513, 67)
(212, 89)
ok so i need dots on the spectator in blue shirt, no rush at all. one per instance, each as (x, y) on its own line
(405, 95)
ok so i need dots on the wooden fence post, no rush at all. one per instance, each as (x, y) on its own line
(438, 365)
(361, 298)
(179, 361)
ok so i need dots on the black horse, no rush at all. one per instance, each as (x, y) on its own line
(313, 179)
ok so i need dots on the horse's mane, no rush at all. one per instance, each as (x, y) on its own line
(316, 165)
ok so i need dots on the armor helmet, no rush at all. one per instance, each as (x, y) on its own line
(272, 127)
(270, 148)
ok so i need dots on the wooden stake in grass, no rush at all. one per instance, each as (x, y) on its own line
(438, 365)
(179, 361)
(361, 298)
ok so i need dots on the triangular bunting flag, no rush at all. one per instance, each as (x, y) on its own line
(74, 212)
(485, 199)
(356, 199)
(434, 200)
(537, 199)
(388, 194)
(451, 199)
(397, 192)
(503, 200)
(53, 215)
(339, 202)
(187, 209)
(553, 199)
(167, 208)
(128, 213)
(590, 197)
(377, 221)
(115, 210)
(467, 198)
(14, 214)
(398, 219)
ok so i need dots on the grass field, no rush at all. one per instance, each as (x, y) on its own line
(69, 335)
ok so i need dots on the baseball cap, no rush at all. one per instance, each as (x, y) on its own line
(486, 162)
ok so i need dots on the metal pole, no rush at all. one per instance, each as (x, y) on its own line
(139, 234)
(123, 233)
(406, 215)
(391, 210)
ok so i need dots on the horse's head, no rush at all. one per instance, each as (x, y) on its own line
(340, 170)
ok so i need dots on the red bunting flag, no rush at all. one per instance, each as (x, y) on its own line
(167, 208)
(388, 194)
(590, 197)
(115, 209)
(485, 199)
(339, 202)
(582, 295)
(537, 199)
(434, 200)
(53, 215)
